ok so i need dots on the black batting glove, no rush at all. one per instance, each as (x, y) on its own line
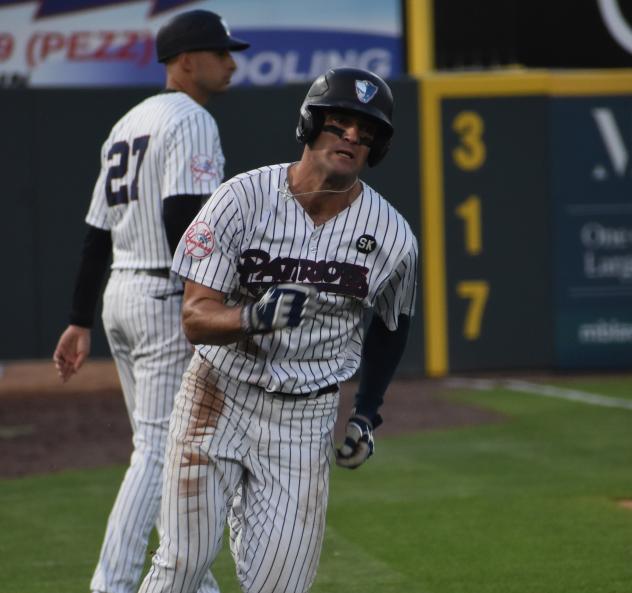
(358, 445)
(284, 305)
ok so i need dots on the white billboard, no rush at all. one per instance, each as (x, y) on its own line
(63, 43)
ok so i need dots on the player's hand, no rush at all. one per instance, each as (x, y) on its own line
(284, 305)
(72, 350)
(358, 445)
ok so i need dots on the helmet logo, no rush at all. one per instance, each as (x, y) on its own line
(365, 90)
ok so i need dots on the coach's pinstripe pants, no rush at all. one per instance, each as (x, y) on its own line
(141, 316)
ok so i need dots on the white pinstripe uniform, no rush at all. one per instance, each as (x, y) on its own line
(166, 146)
(231, 428)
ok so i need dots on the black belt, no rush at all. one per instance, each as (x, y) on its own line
(159, 272)
(329, 389)
(322, 391)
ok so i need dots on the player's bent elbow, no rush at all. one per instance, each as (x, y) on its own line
(191, 333)
(209, 327)
(195, 331)
(191, 325)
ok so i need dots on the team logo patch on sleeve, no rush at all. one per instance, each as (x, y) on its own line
(366, 244)
(203, 168)
(199, 240)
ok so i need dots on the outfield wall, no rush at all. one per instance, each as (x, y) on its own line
(527, 220)
(517, 183)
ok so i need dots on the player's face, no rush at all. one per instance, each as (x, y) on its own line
(212, 70)
(345, 142)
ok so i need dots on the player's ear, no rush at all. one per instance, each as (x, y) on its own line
(185, 61)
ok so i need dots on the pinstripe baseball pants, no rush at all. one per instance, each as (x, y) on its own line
(274, 452)
(141, 316)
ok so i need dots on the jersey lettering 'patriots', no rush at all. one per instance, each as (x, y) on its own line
(257, 272)
(263, 238)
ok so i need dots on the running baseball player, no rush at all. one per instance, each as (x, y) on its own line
(279, 267)
(158, 163)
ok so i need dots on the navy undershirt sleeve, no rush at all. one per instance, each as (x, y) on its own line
(95, 254)
(177, 214)
(97, 248)
(381, 354)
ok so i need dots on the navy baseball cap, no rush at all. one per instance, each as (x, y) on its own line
(195, 30)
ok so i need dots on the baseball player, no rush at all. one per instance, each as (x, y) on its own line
(279, 267)
(158, 163)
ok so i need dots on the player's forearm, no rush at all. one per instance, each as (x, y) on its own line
(206, 321)
(381, 354)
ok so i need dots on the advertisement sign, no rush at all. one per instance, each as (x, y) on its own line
(496, 215)
(66, 43)
(592, 196)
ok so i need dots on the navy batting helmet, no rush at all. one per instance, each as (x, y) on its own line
(349, 89)
(195, 30)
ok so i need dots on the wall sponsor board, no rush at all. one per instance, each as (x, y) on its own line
(486, 222)
(63, 43)
(527, 220)
(591, 140)
(497, 233)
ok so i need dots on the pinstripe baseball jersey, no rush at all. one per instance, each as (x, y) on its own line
(168, 145)
(252, 234)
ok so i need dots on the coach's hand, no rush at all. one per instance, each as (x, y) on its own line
(358, 445)
(71, 351)
(284, 305)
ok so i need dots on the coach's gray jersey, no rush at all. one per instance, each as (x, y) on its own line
(168, 145)
(366, 256)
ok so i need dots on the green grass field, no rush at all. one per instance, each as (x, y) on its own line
(530, 505)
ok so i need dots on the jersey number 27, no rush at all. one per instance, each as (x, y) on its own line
(117, 172)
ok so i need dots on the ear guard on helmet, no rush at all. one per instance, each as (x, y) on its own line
(354, 90)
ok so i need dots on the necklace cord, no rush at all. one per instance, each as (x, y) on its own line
(287, 194)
